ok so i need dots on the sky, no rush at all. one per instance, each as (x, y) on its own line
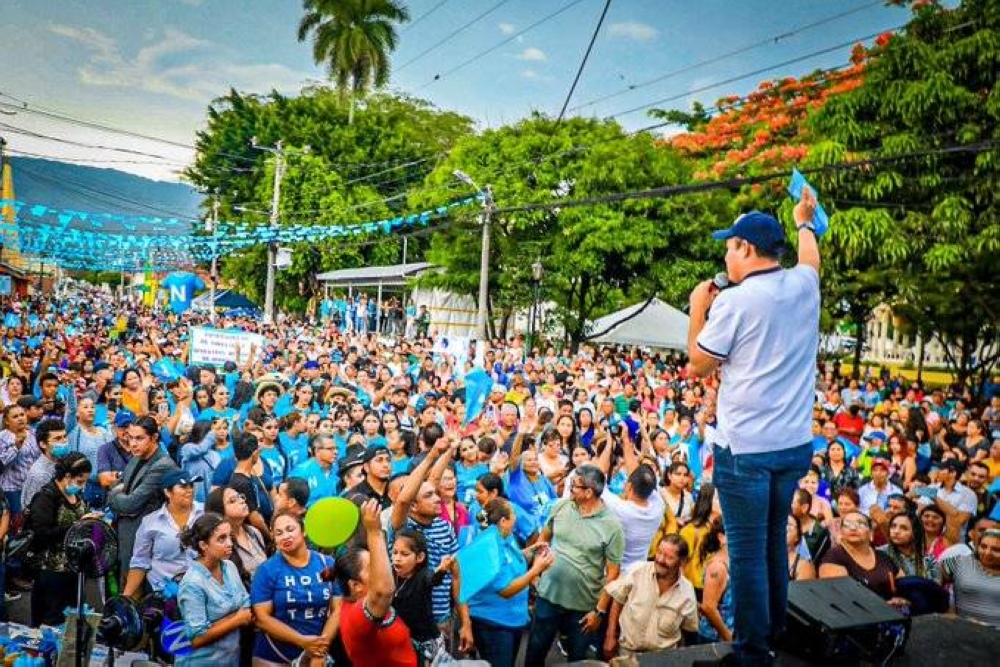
(152, 66)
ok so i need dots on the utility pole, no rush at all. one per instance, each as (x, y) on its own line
(272, 245)
(213, 222)
(280, 152)
(486, 194)
(484, 267)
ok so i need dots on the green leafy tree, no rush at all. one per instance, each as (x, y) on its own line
(925, 211)
(596, 258)
(354, 39)
(353, 173)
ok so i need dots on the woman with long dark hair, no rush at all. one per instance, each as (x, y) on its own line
(717, 614)
(706, 508)
(908, 549)
(212, 598)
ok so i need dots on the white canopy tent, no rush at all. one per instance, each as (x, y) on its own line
(658, 325)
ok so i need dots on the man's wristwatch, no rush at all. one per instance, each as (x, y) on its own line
(807, 225)
(601, 612)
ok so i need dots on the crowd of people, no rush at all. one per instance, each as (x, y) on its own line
(595, 468)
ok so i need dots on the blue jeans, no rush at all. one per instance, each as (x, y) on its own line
(755, 492)
(551, 620)
(13, 502)
(496, 644)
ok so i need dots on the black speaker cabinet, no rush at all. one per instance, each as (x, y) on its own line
(841, 621)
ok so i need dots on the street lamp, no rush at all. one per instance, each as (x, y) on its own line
(537, 270)
(484, 258)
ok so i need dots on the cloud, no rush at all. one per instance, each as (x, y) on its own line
(532, 53)
(639, 32)
(529, 74)
(507, 28)
(197, 69)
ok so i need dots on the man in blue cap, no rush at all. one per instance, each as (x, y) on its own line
(763, 335)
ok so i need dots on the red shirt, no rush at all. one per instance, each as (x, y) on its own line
(371, 644)
(849, 427)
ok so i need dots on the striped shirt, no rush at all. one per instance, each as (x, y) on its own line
(441, 542)
(977, 592)
(16, 460)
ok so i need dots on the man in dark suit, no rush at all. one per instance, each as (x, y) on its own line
(139, 492)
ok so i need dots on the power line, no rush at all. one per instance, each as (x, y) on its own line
(498, 45)
(82, 189)
(756, 72)
(451, 35)
(734, 183)
(583, 62)
(729, 54)
(48, 137)
(59, 158)
(420, 18)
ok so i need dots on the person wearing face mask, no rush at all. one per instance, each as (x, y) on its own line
(56, 507)
(51, 438)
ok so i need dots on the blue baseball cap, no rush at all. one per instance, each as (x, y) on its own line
(175, 477)
(761, 230)
(124, 418)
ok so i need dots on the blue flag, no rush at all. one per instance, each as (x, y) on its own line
(165, 370)
(821, 221)
(477, 389)
(479, 563)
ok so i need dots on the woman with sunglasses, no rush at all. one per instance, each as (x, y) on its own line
(855, 557)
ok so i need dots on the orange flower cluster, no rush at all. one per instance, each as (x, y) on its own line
(766, 129)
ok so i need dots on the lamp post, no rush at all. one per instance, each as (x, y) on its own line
(486, 194)
(537, 271)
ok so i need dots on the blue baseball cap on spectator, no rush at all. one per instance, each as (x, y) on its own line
(761, 230)
(124, 418)
(175, 477)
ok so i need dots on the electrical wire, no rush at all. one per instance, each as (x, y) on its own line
(583, 62)
(735, 183)
(756, 72)
(81, 189)
(70, 142)
(498, 45)
(420, 18)
(59, 158)
(452, 35)
(729, 54)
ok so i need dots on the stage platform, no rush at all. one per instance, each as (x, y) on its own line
(935, 640)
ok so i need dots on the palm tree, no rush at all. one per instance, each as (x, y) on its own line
(354, 38)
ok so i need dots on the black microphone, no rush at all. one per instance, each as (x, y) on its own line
(719, 282)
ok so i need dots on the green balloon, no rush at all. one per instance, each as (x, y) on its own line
(331, 521)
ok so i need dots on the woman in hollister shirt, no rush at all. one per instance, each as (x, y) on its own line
(297, 610)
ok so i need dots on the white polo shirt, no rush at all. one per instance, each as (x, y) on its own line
(765, 331)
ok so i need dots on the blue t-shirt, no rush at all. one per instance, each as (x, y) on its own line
(182, 286)
(489, 606)
(466, 478)
(296, 449)
(322, 484)
(300, 597)
(401, 466)
(275, 463)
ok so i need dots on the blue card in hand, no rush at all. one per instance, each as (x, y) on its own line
(821, 221)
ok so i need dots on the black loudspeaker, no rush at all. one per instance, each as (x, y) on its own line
(841, 621)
